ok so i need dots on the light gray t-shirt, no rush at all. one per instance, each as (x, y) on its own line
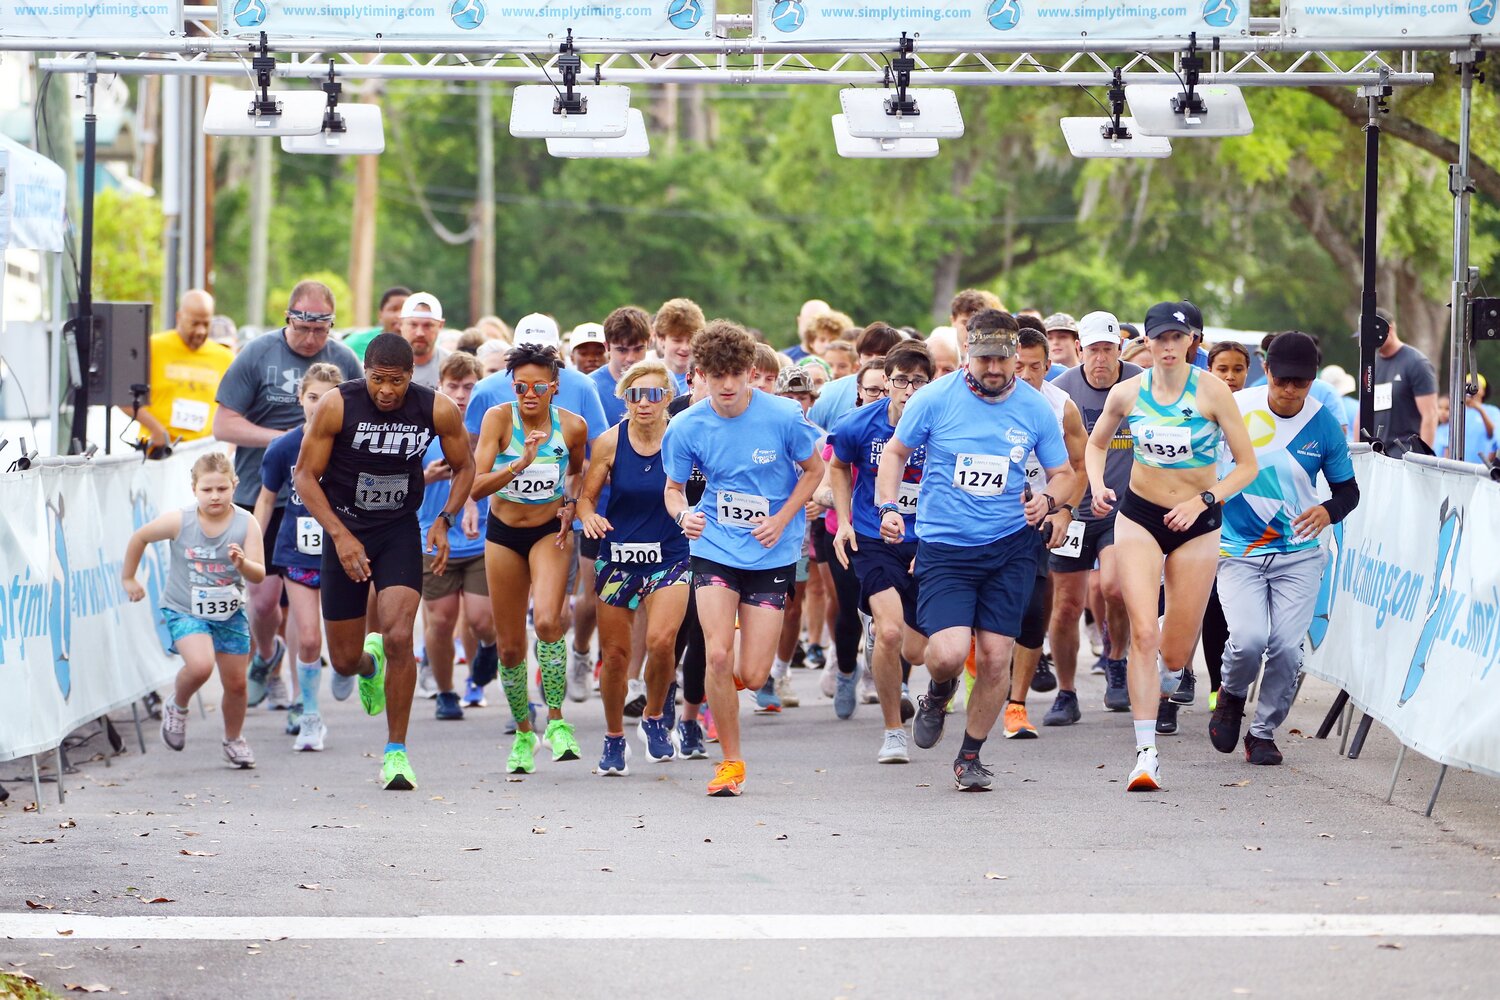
(1090, 403)
(1399, 380)
(201, 579)
(428, 374)
(262, 385)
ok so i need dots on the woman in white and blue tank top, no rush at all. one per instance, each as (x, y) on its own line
(530, 456)
(1167, 530)
(215, 548)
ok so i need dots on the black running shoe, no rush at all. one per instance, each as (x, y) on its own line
(1166, 717)
(1186, 690)
(969, 775)
(1044, 679)
(1259, 750)
(1224, 724)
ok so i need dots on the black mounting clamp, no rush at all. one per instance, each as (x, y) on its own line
(263, 65)
(569, 63)
(902, 104)
(1116, 130)
(332, 120)
(1190, 102)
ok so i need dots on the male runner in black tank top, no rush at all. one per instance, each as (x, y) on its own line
(360, 474)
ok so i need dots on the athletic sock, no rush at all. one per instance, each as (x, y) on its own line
(310, 675)
(940, 693)
(513, 682)
(553, 659)
(390, 747)
(972, 745)
(905, 670)
(1145, 734)
(779, 668)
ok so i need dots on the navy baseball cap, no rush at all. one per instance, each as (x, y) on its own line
(1167, 317)
(1194, 317)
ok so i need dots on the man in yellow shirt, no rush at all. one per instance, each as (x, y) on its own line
(186, 367)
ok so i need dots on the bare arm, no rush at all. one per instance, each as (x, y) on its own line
(496, 428)
(455, 441)
(892, 468)
(232, 427)
(147, 419)
(312, 462)
(600, 463)
(1427, 407)
(265, 506)
(1116, 406)
(251, 561)
(1076, 437)
(168, 525)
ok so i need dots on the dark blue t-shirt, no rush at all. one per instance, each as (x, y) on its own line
(299, 543)
(859, 439)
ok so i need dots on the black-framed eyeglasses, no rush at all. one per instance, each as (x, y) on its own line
(908, 381)
(534, 388)
(874, 390)
(642, 393)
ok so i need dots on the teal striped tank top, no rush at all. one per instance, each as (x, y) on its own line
(1173, 435)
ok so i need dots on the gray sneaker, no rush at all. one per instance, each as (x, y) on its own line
(1064, 710)
(1116, 693)
(426, 683)
(341, 686)
(932, 712)
(846, 693)
(278, 695)
(893, 750)
(238, 753)
(971, 776)
(580, 675)
(260, 672)
(174, 726)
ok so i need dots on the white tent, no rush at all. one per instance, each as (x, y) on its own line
(33, 200)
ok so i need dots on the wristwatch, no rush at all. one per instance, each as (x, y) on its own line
(447, 517)
(1208, 498)
(682, 514)
(889, 508)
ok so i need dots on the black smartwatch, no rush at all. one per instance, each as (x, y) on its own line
(1208, 498)
(444, 515)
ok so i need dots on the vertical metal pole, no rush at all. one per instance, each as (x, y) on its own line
(1395, 773)
(171, 190)
(62, 795)
(1375, 96)
(199, 147)
(1461, 186)
(36, 785)
(485, 247)
(135, 715)
(84, 326)
(1442, 773)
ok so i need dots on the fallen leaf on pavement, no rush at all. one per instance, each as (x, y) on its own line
(1251, 847)
(994, 875)
(197, 854)
(310, 885)
(1233, 784)
(40, 840)
(34, 905)
(1392, 945)
(1326, 836)
(473, 848)
(89, 988)
(159, 899)
(66, 825)
(539, 829)
(67, 933)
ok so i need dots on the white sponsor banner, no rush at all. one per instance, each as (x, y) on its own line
(998, 20)
(1408, 621)
(92, 20)
(33, 200)
(1393, 19)
(72, 646)
(471, 20)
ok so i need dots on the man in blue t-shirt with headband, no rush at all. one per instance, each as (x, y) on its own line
(1271, 565)
(976, 548)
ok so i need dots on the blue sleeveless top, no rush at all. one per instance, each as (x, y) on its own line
(1173, 435)
(541, 481)
(644, 534)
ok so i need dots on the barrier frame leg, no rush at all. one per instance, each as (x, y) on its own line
(1360, 735)
(62, 795)
(1346, 727)
(202, 712)
(1334, 711)
(1442, 773)
(1395, 773)
(135, 716)
(36, 785)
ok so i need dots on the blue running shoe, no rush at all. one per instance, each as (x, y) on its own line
(1116, 693)
(690, 740)
(669, 707)
(658, 740)
(766, 699)
(612, 763)
(845, 697)
(474, 694)
(448, 706)
(256, 682)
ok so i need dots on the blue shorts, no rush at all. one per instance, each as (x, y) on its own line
(881, 566)
(230, 636)
(976, 587)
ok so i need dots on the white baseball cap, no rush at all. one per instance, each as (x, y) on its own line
(1098, 328)
(422, 304)
(535, 328)
(586, 333)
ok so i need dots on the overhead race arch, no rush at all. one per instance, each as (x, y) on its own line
(470, 20)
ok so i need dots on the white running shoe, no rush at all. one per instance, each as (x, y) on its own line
(867, 693)
(1096, 637)
(311, 735)
(829, 685)
(893, 748)
(173, 725)
(1147, 774)
(278, 695)
(238, 753)
(580, 675)
(786, 692)
(426, 683)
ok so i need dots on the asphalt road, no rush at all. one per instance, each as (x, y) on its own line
(849, 878)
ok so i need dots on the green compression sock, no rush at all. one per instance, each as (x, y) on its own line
(513, 681)
(553, 658)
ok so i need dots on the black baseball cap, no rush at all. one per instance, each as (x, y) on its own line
(1129, 331)
(1293, 355)
(1194, 317)
(1167, 317)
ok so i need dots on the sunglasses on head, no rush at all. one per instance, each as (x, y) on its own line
(642, 393)
(534, 388)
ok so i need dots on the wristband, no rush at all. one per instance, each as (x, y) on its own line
(447, 517)
(889, 508)
(511, 468)
(680, 515)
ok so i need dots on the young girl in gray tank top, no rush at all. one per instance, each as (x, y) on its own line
(213, 551)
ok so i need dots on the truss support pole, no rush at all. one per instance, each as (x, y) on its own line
(1461, 185)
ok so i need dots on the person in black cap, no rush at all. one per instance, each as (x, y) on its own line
(1195, 323)
(1273, 565)
(1168, 523)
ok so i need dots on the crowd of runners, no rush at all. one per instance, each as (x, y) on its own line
(698, 515)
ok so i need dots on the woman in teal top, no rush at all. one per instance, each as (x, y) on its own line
(526, 552)
(1168, 525)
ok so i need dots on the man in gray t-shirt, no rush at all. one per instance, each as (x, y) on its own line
(1088, 386)
(1405, 391)
(421, 324)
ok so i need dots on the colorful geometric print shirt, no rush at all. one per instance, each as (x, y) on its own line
(1291, 452)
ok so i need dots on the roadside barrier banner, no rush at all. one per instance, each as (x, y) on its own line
(1397, 20)
(72, 646)
(1408, 619)
(91, 20)
(471, 20)
(999, 20)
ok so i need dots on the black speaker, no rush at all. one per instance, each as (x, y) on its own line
(120, 354)
(1484, 319)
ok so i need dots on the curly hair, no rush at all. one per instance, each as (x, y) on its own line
(972, 300)
(723, 348)
(533, 354)
(678, 318)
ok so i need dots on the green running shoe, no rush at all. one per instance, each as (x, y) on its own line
(372, 688)
(396, 774)
(522, 759)
(560, 738)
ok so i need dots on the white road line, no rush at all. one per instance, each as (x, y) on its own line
(749, 927)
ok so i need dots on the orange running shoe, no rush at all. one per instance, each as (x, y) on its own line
(739, 685)
(1017, 725)
(729, 778)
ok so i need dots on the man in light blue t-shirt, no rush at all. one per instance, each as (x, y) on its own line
(976, 551)
(1272, 564)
